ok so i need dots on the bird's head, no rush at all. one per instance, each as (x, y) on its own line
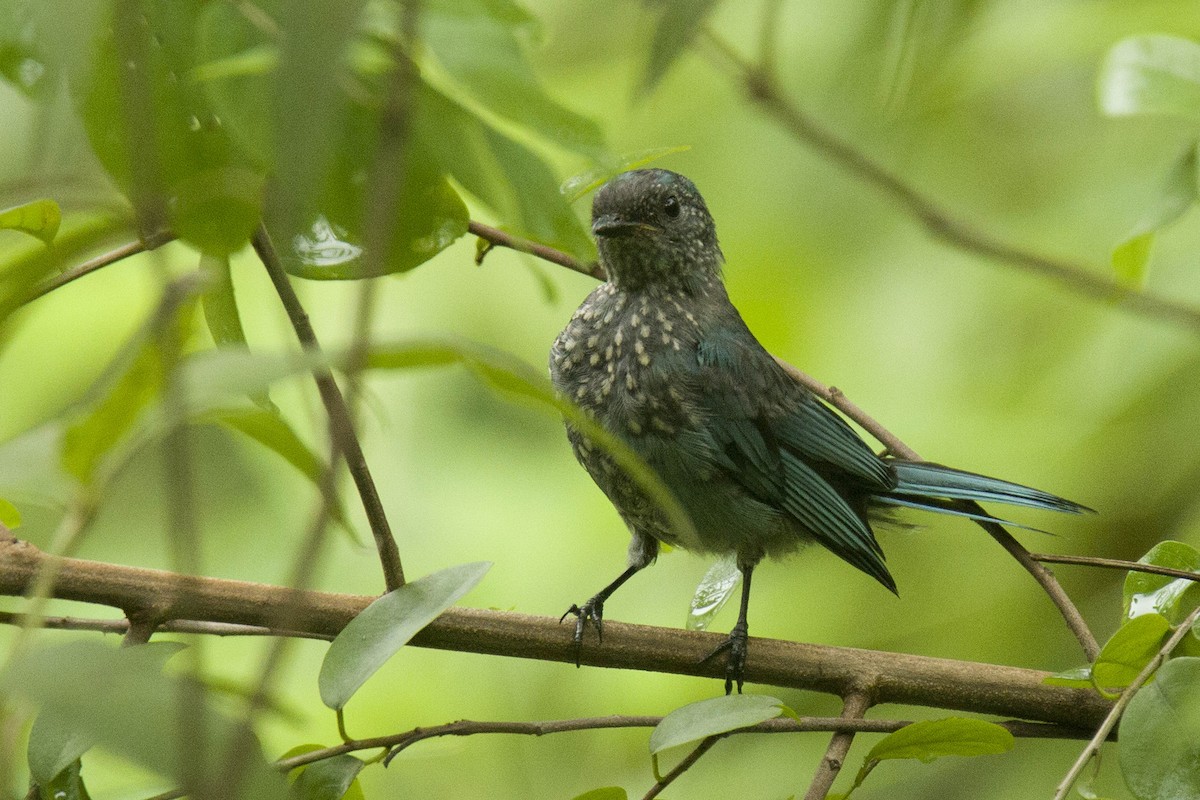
(653, 229)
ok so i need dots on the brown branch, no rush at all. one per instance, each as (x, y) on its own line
(122, 627)
(341, 427)
(683, 766)
(855, 706)
(895, 677)
(498, 238)
(152, 242)
(762, 88)
(1116, 563)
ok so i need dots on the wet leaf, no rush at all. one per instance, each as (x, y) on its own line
(1174, 598)
(1160, 735)
(714, 590)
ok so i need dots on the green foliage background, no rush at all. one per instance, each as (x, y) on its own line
(989, 107)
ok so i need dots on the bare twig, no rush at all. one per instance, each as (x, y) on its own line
(339, 415)
(896, 677)
(762, 88)
(122, 627)
(498, 238)
(1114, 714)
(683, 766)
(854, 706)
(151, 242)
(1116, 563)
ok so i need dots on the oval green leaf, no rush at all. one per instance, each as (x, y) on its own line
(388, 624)
(39, 218)
(1126, 654)
(10, 516)
(1174, 598)
(1151, 74)
(328, 779)
(952, 736)
(713, 591)
(1160, 735)
(695, 721)
(604, 793)
(55, 742)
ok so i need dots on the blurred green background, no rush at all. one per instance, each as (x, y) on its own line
(988, 107)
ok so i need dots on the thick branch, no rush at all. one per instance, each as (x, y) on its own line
(892, 677)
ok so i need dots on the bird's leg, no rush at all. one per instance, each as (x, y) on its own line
(593, 610)
(643, 549)
(736, 645)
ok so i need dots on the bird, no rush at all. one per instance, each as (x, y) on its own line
(659, 356)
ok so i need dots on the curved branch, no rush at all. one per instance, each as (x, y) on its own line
(895, 677)
(762, 88)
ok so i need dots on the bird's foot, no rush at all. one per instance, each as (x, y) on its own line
(735, 646)
(591, 611)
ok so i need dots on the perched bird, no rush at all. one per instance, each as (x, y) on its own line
(659, 356)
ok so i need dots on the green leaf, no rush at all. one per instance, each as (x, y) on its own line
(136, 716)
(388, 624)
(705, 718)
(480, 51)
(327, 779)
(10, 516)
(38, 218)
(1131, 257)
(1178, 192)
(66, 785)
(678, 26)
(1077, 678)
(1129, 650)
(951, 736)
(714, 590)
(604, 793)
(1151, 74)
(1174, 598)
(1160, 735)
(55, 743)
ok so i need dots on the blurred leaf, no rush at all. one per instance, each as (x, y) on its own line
(1151, 74)
(66, 785)
(1128, 652)
(514, 376)
(699, 720)
(713, 592)
(168, 150)
(1076, 678)
(935, 738)
(604, 793)
(223, 377)
(31, 468)
(272, 431)
(222, 316)
(383, 627)
(327, 779)
(136, 715)
(1131, 257)
(10, 517)
(38, 218)
(678, 26)
(1160, 735)
(1173, 598)
(479, 49)
(579, 185)
(55, 743)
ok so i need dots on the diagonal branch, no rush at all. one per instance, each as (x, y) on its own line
(341, 426)
(856, 704)
(895, 677)
(762, 88)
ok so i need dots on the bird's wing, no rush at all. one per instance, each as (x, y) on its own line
(783, 446)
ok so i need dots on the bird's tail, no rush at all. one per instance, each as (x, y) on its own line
(936, 488)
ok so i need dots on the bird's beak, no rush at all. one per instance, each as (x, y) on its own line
(613, 225)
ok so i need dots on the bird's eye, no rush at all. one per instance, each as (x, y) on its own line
(671, 206)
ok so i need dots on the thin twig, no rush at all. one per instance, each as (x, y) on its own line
(339, 415)
(498, 238)
(1110, 721)
(1116, 563)
(683, 766)
(763, 89)
(152, 242)
(854, 706)
(122, 627)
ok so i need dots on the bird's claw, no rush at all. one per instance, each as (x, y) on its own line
(736, 646)
(591, 611)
